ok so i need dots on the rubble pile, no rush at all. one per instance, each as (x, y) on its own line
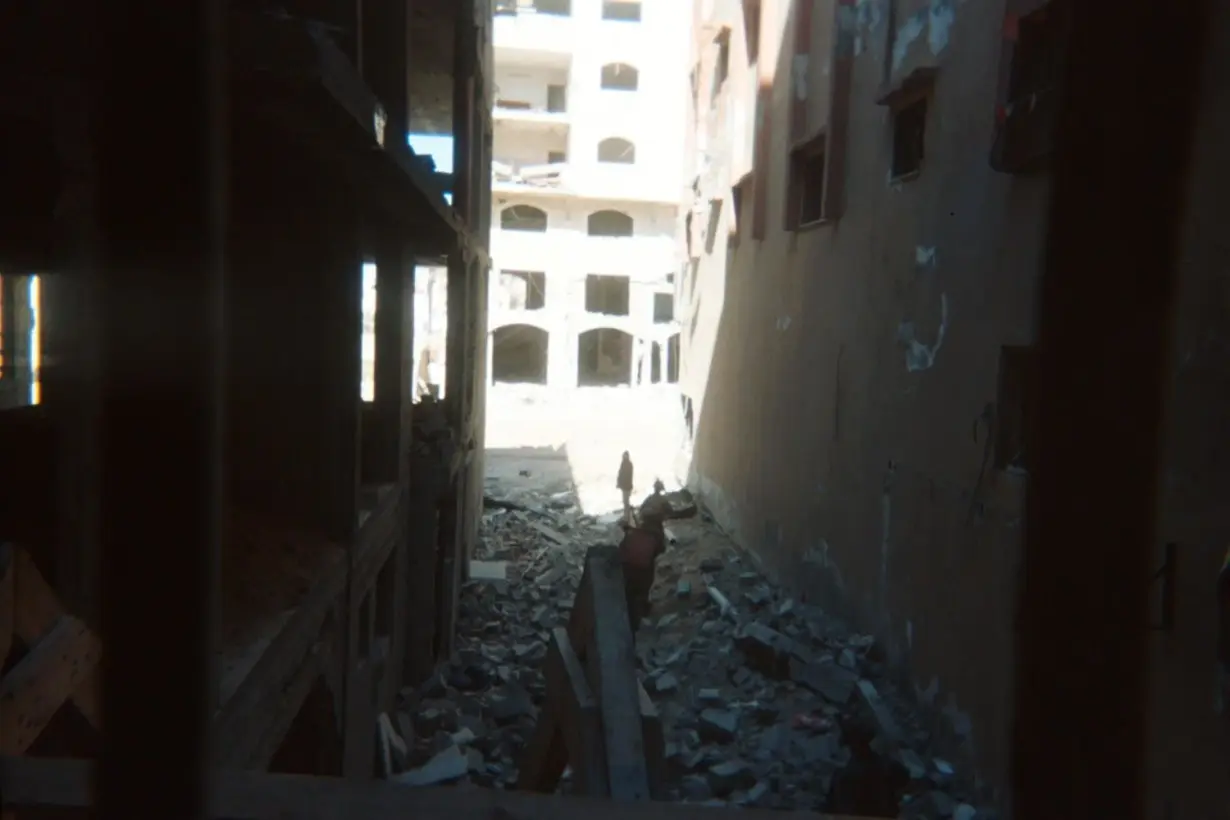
(765, 701)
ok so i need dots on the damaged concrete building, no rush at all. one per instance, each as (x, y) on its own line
(863, 250)
(589, 119)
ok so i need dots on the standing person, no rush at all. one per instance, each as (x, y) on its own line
(624, 482)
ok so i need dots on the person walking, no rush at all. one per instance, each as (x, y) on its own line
(623, 482)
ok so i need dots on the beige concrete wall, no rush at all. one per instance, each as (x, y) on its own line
(858, 471)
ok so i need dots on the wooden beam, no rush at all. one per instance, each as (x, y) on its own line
(611, 666)
(36, 611)
(238, 795)
(35, 689)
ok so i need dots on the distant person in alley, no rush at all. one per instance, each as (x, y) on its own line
(624, 482)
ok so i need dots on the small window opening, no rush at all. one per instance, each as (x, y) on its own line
(805, 189)
(740, 198)
(909, 134)
(620, 77)
(663, 308)
(556, 157)
(721, 69)
(557, 99)
(608, 295)
(616, 150)
(751, 28)
(621, 10)
(523, 290)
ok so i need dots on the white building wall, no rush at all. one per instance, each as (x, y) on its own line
(534, 51)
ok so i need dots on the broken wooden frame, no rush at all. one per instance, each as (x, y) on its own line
(597, 717)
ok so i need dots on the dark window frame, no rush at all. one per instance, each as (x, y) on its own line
(908, 151)
(807, 185)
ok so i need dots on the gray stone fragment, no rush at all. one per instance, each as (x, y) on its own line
(718, 725)
(836, 683)
(683, 589)
(665, 683)
(729, 776)
(695, 788)
(450, 764)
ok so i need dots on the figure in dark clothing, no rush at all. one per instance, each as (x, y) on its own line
(624, 482)
(641, 546)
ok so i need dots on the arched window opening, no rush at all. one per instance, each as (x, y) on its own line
(604, 358)
(620, 77)
(519, 354)
(616, 150)
(523, 218)
(609, 223)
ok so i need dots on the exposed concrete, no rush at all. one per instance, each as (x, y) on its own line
(844, 378)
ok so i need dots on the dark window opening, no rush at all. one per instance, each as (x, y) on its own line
(523, 290)
(909, 134)
(751, 28)
(621, 10)
(1027, 113)
(556, 157)
(557, 8)
(740, 199)
(609, 223)
(519, 354)
(721, 68)
(663, 308)
(620, 77)
(805, 189)
(711, 225)
(1037, 61)
(670, 278)
(523, 218)
(1012, 413)
(604, 358)
(608, 295)
(616, 150)
(557, 99)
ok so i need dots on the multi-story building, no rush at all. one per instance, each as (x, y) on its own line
(864, 246)
(590, 106)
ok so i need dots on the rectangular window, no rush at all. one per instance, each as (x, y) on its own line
(805, 188)
(1029, 96)
(557, 99)
(751, 28)
(621, 10)
(721, 68)
(1013, 413)
(741, 201)
(523, 290)
(663, 308)
(608, 295)
(909, 136)
(556, 157)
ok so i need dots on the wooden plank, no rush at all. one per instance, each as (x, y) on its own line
(37, 687)
(611, 667)
(577, 714)
(289, 703)
(654, 734)
(36, 611)
(239, 795)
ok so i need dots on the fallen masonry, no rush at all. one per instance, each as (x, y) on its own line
(762, 701)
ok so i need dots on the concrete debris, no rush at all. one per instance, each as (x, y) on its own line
(773, 703)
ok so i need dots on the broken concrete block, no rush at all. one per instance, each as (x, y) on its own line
(833, 682)
(712, 565)
(683, 589)
(450, 764)
(729, 776)
(718, 725)
(665, 683)
(767, 650)
(709, 697)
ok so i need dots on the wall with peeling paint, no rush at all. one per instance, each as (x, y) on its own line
(845, 378)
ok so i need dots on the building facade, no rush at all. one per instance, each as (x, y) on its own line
(863, 248)
(590, 110)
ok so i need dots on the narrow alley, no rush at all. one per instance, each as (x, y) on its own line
(765, 699)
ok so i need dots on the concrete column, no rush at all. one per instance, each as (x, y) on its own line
(560, 352)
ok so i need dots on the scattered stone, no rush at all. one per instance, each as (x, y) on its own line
(913, 764)
(450, 764)
(964, 811)
(835, 683)
(695, 788)
(711, 565)
(665, 683)
(757, 794)
(487, 571)
(726, 777)
(709, 697)
(718, 725)
(683, 589)
(725, 607)
(767, 650)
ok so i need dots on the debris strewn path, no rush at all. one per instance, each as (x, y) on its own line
(765, 701)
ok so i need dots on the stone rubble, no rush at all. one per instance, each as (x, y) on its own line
(765, 701)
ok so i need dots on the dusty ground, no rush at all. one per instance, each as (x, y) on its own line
(765, 701)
